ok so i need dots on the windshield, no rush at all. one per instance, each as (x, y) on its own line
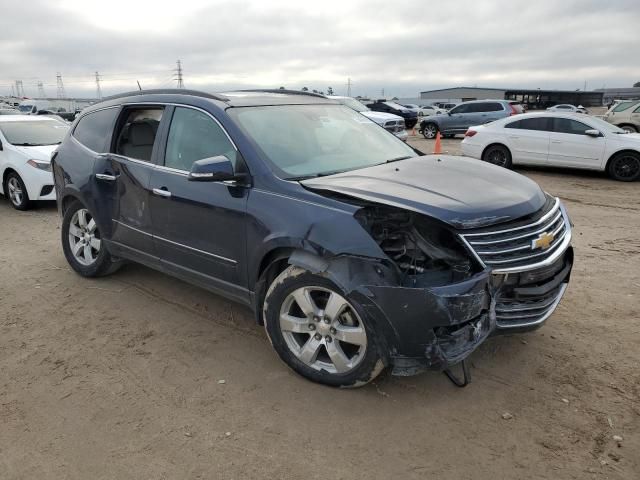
(25, 108)
(302, 141)
(354, 104)
(31, 134)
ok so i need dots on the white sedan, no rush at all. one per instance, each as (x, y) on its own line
(556, 140)
(567, 108)
(26, 145)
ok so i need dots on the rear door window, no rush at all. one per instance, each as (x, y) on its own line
(137, 132)
(538, 124)
(623, 106)
(460, 109)
(94, 129)
(194, 135)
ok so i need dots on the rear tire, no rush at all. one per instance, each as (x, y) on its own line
(624, 167)
(430, 130)
(498, 155)
(319, 332)
(82, 243)
(16, 191)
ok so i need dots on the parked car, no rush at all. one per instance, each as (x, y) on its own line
(566, 108)
(460, 118)
(625, 115)
(410, 117)
(392, 123)
(26, 144)
(445, 106)
(32, 107)
(355, 252)
(557, 140)
(9, 111)
(428, 110)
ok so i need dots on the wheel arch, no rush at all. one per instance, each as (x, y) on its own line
(618, 152)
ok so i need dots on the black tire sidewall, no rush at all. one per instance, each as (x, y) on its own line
(291, 279)
(487, 153)
(26, 203)
(612, 173)
(103, 264)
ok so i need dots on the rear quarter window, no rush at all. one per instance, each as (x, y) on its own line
(94, 129)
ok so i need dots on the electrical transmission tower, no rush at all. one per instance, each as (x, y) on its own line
(348, 87)
(60, 86)
(98, 89)
(41, 93)
(19, 88)
(178, 76)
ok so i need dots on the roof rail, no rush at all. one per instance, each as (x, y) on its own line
(283, 91)
(167, 91)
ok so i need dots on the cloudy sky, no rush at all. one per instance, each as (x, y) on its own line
(400, 46)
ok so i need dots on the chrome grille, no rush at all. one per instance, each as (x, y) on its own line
(512, 313)
(521, 246)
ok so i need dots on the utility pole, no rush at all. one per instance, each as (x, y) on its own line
(60, 86)
(98, 89)
(348, 87)
(178, 71)
(41, 93)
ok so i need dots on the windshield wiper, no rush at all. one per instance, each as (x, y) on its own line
(28, 144)
(316, 175)
(397, 159)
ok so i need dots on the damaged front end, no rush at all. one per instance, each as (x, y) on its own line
(433, 301)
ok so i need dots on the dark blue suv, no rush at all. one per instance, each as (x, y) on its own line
(354, 250)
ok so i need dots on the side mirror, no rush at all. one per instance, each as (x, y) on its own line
(449, 113)
(212, 169)
(592, 133)
(1, 147)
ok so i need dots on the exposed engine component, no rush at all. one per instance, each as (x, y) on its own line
(417, 245)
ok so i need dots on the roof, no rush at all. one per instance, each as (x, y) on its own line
(25, 118)
(526, 90)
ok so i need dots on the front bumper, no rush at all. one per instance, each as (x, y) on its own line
(438, 327)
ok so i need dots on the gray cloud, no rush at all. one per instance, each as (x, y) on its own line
(401, 46)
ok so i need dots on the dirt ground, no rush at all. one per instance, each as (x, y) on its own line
(142, 376)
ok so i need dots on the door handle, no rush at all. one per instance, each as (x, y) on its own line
(163, 192)
(556, 141)
(106, 177)
(514, 137)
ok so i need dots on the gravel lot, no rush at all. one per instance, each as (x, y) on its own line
(142, 376)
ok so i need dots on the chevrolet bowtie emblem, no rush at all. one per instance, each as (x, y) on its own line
(543, 241)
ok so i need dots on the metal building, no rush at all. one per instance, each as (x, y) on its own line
(532, 98)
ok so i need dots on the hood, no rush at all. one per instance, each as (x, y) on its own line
(381, 117)
(38, 153)
(460, 191)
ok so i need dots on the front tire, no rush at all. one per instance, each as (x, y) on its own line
(82, 243)
(625, 167)
(629, 128)
(16, 192)
(319, 332)
(430, 130)
(498, 155)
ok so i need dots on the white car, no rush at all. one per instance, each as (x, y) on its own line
(392, 123)
(423, 111)
(556, 140)
(566, 108)
(26, 145)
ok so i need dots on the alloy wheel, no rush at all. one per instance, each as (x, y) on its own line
(323, 330)
(626, 167)
(629, 129)
(430, 131)
(497, 157)
(84, 237)
(16, 195)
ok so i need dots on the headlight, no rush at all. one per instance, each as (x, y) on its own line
(424, 250)
(40, 165)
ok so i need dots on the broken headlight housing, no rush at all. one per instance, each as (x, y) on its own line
(424, 250)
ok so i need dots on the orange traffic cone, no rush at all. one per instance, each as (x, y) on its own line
(438, 148)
